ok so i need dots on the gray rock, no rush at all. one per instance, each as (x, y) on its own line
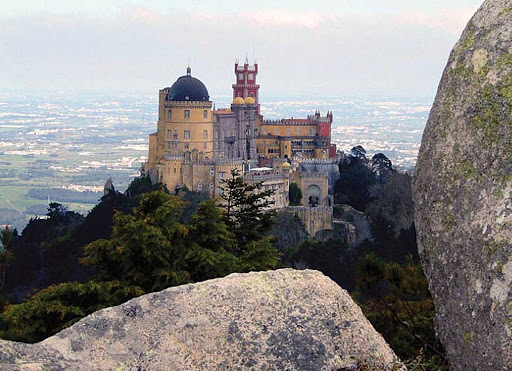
(277, 320)
(463, 189)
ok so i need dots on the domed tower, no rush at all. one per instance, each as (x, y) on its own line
(185, 117)
(184, 130)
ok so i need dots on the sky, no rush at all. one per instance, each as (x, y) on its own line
(322, 48)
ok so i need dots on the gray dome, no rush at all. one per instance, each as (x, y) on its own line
(188, 88)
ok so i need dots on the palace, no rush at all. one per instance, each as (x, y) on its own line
(196, 146)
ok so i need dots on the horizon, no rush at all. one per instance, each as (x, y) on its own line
(330, 48)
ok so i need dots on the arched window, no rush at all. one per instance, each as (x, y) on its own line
(169, 114)
(199, 186)
(205, 134)
(211, 186)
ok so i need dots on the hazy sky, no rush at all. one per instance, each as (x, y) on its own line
(310, 48)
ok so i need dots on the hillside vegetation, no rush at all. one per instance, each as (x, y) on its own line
(67, 266)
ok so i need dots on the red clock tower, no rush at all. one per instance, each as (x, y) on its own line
(245, 85)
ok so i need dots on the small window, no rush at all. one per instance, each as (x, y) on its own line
(174, 170)
(311, 132)
(222, 175)
(264, 131)
(187, 113)
(199, 186)
(205, 145)
(169, 114)
(288, 131)
(169, 134)
(186, 134)
(205, 134)
(251, 95)
(186, 146)
(212, 171)
(168, 145)
(175, 135)
(211, 186)
(277, 131)
(205, 114)
(174, 145)
(298, 131)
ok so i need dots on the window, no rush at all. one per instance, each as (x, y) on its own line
(199, 186)
(205, 145)
(174, 170)
(169, 114)
(310, 131)
(264, 131)
(186, 134)
(168, 145)
(277, 131)
(187, 114)
(298, 131)
(251, 95)
(205, 134)
(221, 191)
(205, 114)
(211, 186)
(175, 145)
(222, 175)
(175, 135)
(212, 171)
(169, 134)
(186, 146)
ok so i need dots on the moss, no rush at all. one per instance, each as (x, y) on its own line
(469, 338)
(499, 269)
(448, 222)
(506, 87)
(467, 169)
(469, 38)
(491, 248)
(505, 12)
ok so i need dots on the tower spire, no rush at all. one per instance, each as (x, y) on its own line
(189, 71)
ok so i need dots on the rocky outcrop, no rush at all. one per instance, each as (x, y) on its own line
(283, 320)
(463, 190)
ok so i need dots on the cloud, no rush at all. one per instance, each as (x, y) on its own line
(299, 52)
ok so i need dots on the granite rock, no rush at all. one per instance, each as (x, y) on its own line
(463, 190)
(276, 320)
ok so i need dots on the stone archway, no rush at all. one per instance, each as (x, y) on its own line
(313, 195)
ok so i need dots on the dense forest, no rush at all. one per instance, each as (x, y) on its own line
(66, 266)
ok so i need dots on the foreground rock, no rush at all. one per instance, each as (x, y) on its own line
(463, 189)
(285, 319)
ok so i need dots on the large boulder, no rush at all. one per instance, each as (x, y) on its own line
(278, 320)
(463, 190)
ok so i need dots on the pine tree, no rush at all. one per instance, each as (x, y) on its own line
(246, 208)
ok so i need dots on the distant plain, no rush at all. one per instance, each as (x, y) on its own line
(63, 146)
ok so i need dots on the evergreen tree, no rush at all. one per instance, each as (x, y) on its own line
(295, 194)
(246, 208)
